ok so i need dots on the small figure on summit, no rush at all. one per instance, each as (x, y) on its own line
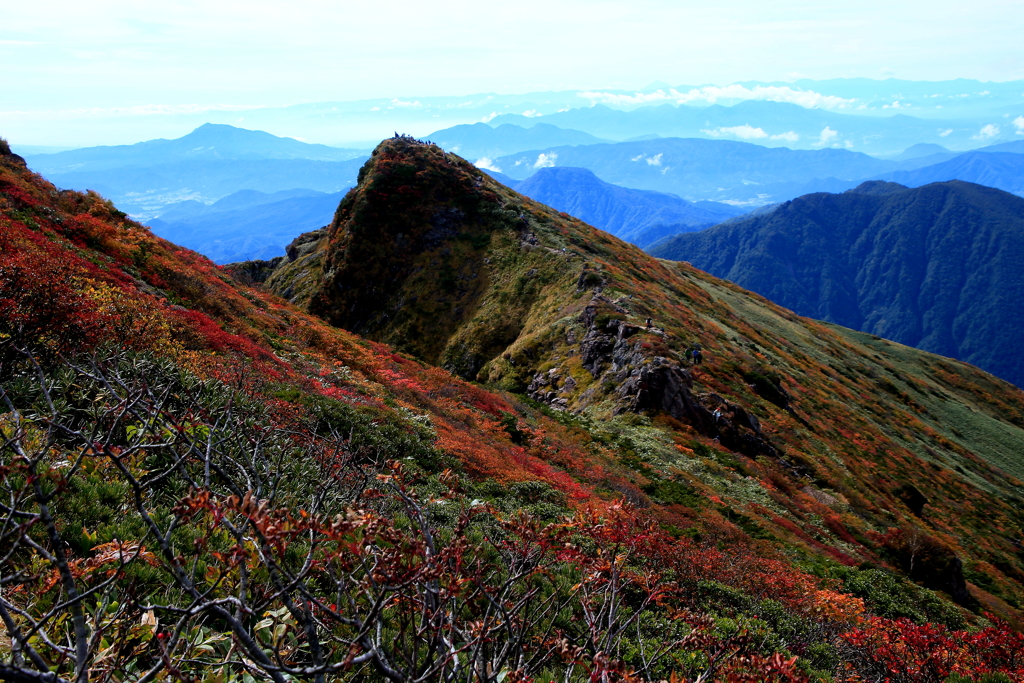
(649, 323)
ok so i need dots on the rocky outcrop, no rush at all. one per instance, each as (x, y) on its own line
(610, 352)
(552, 387)
(305, 244)
(254, 272)
(913, 499)
(9, 157)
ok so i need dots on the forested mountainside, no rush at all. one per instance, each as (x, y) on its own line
(201, 480)
(939, 267)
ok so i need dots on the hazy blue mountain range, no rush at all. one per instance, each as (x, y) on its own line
(479, 140)
(940, 267)
(1002, 170)
(1014, 146)
(208, 142)
(243, 199)
(752, 174)
(360, 123)
(922, 150)
(694, 169)
(215, 161)
(637, 216)
(145, 191)
(209, 163)
(249, 225)
(776, 124)
(246, 225)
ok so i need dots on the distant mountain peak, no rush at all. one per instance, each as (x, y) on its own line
(213, 132)
(921, 149)
(878, 187)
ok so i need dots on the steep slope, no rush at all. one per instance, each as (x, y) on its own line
(77, 276)
(430, 255)
(625, 213)
(939, 267)
(217, 483)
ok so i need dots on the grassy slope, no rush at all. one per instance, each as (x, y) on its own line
(496, 294)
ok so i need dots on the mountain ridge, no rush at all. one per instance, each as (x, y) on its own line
(631, 215)
(1001, 170)
(465, 273)
(935, 267)
(800, 480)
(209, 141)
(699, 169)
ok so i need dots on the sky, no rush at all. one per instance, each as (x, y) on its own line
(140, 55)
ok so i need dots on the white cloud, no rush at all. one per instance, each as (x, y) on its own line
(401, 103)
(488, 164)
(545, 160)
(531, 113)
(828, 136)
(713, 93)
(987, 132)
(490, 117)
(638, 157)
(896, 105)
(748, 132)
(1018, 123)
(655, 160)
(744, 132)
(945, 133)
